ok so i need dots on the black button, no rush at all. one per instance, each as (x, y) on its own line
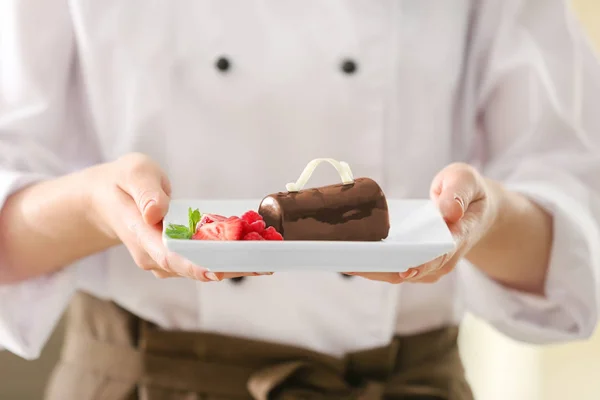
(223, 64)
(349, 67)
(237, 280)
(346, 276)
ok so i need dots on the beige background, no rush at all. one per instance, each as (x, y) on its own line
(498, 368)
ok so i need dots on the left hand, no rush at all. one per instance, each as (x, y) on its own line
(469, 207)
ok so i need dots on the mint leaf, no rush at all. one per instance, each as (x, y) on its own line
(175, 231)
(178, 232)
(193, 217)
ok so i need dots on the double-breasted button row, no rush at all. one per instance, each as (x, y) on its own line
(347, 66)
(224, 64)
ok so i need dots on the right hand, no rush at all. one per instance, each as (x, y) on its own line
(129, 200)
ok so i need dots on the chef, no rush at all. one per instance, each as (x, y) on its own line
(109, 109)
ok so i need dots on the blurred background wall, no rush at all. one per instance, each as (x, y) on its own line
(498, 368)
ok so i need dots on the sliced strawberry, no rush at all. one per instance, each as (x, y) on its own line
(210, 218)
(208, 232)
(271, 234)
(228, 229)
(251, 216)
(253, 236)
(232, 228)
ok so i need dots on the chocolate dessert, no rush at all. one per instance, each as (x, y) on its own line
(355, 210)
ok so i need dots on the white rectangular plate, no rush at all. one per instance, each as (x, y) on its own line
(418, 234)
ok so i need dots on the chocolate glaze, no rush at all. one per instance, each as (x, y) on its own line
(354, 212)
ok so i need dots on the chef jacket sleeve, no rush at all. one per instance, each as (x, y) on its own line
(42, 135)
(540, 122)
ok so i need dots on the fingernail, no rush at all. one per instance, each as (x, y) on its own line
(211, 276)
(149, 204)
(407, 274)
(413, 274)
(460, 202)
(264, 273)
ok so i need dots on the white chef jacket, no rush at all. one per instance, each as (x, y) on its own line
(510, 86)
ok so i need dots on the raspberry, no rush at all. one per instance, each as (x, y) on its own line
(257, 226)
(252, 216)
(271, 234)
(253, 236)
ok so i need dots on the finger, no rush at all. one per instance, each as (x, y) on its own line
(389, 277)
(144, 243)
(160, 274)
(431, 266)
(435, 276)
(432, 278)
(151, 240)
(143, 260)
(454, 189)
(444, 266)
(166, 185)
(231, 275)
(147, 263)
(425, 270)
(398, 277)
(146, 183)
(410, 275)
(141, 237)
(149, 252)
(426, 273)
(140, 257)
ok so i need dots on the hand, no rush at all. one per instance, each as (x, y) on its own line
(129, 200)
(469, 206)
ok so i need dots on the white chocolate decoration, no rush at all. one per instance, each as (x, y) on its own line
(342, 168)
